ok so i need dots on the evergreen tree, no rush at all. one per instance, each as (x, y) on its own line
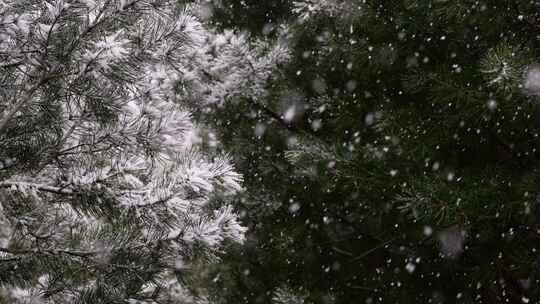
(392, 159)
(109, 191)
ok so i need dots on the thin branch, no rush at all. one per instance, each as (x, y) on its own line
(363, 255)
(289, 126)
(40, 187)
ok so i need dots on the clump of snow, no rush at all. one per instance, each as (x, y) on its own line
(294, 207)
(260, 129)
(428, 231)
(492, 105)
(451, 242)
(531, 82)
(410, 267)
(289, 114)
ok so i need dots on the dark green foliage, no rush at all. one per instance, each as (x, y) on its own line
(255, 16)
(426, 136)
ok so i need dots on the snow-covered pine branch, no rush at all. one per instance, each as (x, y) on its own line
(307, 9)
(96, 146)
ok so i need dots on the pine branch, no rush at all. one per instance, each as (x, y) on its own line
(114, 129)
(28, 95)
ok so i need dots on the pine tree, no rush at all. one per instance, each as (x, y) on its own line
(110, 191)
(395, 155)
